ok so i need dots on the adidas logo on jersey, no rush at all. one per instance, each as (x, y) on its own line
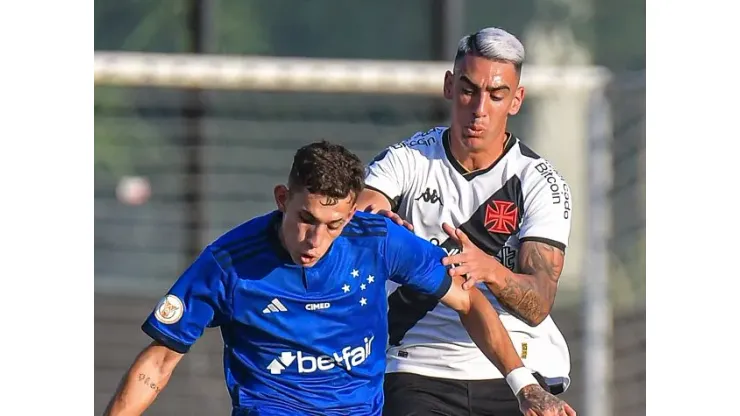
(275, 306)
(348, 357)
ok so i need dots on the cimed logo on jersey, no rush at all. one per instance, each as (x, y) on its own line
(347, 358)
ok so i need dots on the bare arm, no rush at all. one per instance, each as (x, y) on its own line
(147, 376)
(485, 328)
(530, 294)
(370, 197)
(484, 325)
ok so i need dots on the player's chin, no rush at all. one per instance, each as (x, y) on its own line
(474, 140)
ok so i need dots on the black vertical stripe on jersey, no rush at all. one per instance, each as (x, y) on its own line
(407, 307)
(527, 152)
(475, 226)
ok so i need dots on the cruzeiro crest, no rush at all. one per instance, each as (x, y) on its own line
(169, 310)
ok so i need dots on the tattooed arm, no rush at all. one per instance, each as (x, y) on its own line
(528, 294)
(147, 376)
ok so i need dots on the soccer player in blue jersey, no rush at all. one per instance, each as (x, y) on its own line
(299, 296)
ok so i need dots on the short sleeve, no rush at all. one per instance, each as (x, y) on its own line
(548, 205)
(198, 299)
(415, 262)
(390, 173)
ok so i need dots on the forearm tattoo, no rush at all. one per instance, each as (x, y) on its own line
(143, 378)
(538, 399)
(531, 293)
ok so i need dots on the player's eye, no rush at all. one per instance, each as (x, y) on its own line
(306, 220)
(467, 91)
(496, 98)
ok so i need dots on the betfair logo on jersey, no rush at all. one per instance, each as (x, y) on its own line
(559, 190)
(431, 196)
(348, 358)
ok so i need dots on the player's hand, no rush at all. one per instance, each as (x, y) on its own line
(471, 263)
(535, 401)
(390, 214)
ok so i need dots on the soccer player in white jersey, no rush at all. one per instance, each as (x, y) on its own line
(511, 213)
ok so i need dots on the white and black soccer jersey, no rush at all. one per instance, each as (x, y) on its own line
(518, 198)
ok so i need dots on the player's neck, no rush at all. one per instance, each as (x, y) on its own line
(283, 251)
(479, 159)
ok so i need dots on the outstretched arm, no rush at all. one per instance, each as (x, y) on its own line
(485, 328)
(143, 382)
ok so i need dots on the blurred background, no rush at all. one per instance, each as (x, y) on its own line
(189, 143)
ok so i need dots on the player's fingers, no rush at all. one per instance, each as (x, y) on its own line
(461, 271)
(396, 218)
(450, 231)
(408, 225)
(385, 213)
(462, 237)
(470, 283)
(455, 259)
(568, 411)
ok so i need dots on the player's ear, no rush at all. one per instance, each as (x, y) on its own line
(281, 197)
(516, 103)
(449, 85)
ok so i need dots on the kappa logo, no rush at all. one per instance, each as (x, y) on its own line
(501, 217)
(431, 196)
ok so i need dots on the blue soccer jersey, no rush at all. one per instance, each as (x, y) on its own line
(297, 340)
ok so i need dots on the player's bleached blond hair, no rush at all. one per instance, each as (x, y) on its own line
(492, 43)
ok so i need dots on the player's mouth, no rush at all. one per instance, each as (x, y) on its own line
(307, 258)
(472, 130)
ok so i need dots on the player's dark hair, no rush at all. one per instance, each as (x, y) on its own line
(327, 169)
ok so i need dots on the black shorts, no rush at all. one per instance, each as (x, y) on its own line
(409, 394)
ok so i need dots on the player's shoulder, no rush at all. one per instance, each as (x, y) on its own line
(421, 143)
(534, 169)
(251, 236)
(364, 225)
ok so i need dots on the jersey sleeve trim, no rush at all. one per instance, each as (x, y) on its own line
(554, 243)
(164, 339)
(391, 201)
(230, 286)
(444, 287)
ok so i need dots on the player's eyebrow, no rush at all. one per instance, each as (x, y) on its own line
(310, 217)
(464, 78)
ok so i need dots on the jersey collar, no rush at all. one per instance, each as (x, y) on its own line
(510, 142)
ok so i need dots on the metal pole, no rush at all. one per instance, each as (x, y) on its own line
(596, 305)
(453, 27)
(446, 25)
(199, 40)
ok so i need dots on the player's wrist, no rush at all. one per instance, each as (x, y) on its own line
(519, 378)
